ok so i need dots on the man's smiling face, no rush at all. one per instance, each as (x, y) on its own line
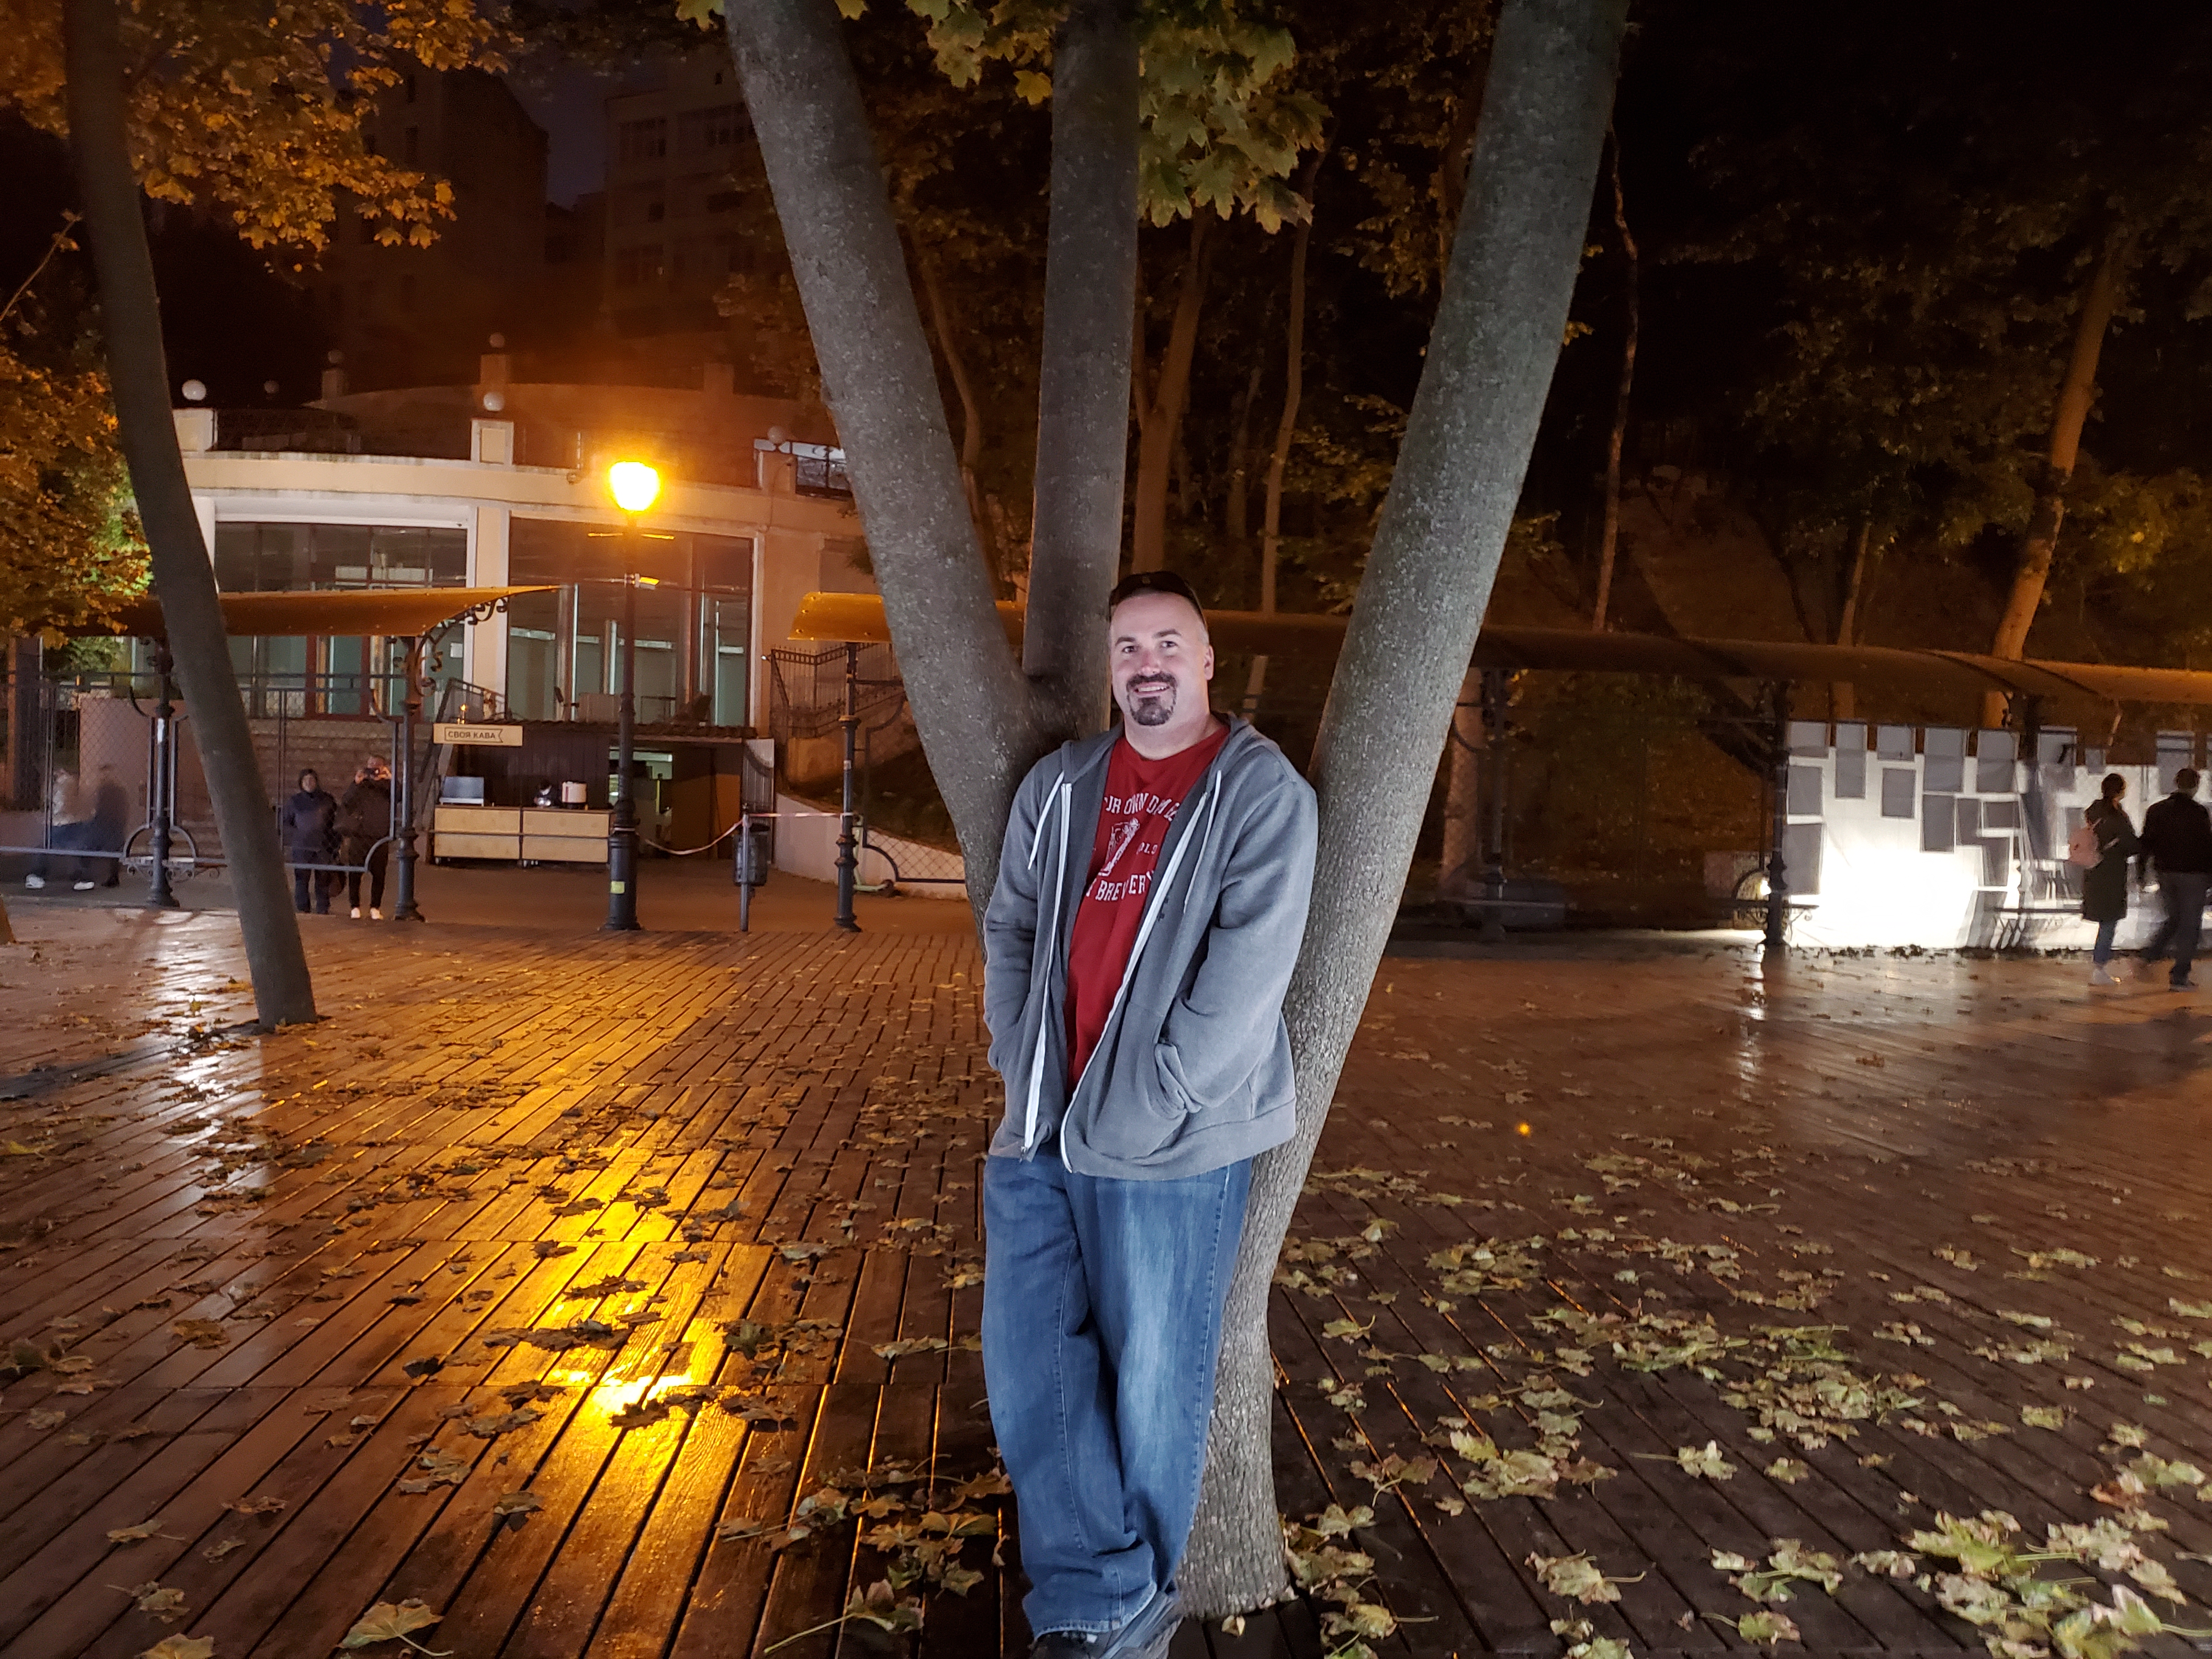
(1161, 661)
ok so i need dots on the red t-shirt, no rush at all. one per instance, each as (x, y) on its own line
(1141, 799)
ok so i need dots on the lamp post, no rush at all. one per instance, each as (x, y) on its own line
(635, 487)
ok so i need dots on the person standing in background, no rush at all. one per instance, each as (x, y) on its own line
(365, 823)
(2105, 883)
(310, 830)
(2177, 837)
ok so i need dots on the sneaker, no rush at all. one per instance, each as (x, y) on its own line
(1147, 1635)
(2181, 985)
(34, 881)
(83, 886)
(356, 913)
(1066, 1644)
(2100, 975)
(375, 915)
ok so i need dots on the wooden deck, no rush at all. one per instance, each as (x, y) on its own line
(545, 1261)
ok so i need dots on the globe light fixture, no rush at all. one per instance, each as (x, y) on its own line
(633, 485)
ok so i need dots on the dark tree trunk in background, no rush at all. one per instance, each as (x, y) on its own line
(184, 579)
(1473, 421)
(1160, 406)
(971, 408)
(1843, 697)
(1083, 382)
(969, 702)
(2076, 394)
(1609, 540)
(1279, 458)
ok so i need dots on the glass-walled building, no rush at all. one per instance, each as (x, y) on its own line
(694, 618)
(724, 566)
(330, 675)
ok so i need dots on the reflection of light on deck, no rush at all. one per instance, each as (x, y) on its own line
(647, 1374)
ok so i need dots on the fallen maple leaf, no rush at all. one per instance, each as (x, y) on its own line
(390, 1621)
(181, 1647)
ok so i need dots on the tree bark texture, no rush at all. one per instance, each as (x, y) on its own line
(1279, 458)
(969, 702)
(1083, 380)
(1501, 315)
(1159, 426)
(1609, 538)
(184, 578)
(2076, 392)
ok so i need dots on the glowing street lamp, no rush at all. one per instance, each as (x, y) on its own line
(635, 487)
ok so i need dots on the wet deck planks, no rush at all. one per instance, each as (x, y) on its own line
(489, 1128)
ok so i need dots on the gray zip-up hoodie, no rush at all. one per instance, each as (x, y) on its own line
(1193, 1069)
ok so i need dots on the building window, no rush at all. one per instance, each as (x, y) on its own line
(709, 128)
(408, 84)
(641, 141)
(724, 201)
(655, 212)
(636, 267)
(410, 145)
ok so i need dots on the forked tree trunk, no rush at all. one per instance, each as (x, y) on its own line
(184, 579)
(1503, 313)
(969, 702)
(2076, 394)
(1083, 382)
(1609, 539)
(1279, 458)
(1159, 428)
(1473, 421)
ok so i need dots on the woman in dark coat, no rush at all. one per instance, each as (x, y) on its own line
(365, 822)
(2105, 883)
(310, 826)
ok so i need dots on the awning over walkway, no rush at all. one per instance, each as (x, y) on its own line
(1929, 673)
(402, 612)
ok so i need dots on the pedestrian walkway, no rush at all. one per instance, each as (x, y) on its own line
(618, 1295)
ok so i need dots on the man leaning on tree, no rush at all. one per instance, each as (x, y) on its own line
(1151, 900)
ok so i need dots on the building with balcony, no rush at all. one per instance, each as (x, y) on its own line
(505, 484)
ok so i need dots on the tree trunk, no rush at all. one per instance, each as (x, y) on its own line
(970, 704)
(1237, 512)
(972, 408)
(183, 577)
(1294, 380)
(1502, 316)
(1083, 382)
(2075, 393)
(1160, 426)
(1609, 539)
(1463, 749)
(1843, 695)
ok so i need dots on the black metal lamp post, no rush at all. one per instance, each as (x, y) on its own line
(635, 487)
(403, 908)
(161, 784)
(848, 845)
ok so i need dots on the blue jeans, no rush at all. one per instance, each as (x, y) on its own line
(2183, 894)
(1101, 1324)
(2103, 952)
